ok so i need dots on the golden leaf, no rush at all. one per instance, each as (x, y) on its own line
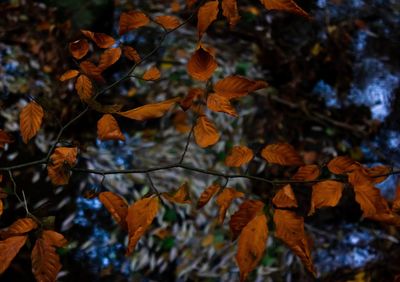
(282, 154)
(201, 65)
(109, 57)
(131, 54)
(207, 194)
(246, 212)
(54, 238)
(218, 103)
(84, 87)
(285, 198)
(207, 13)
(30, 120)
(9, 248)
(230, 11)
(168, 22)
(102, 40)
(342, 164)
(45, 261)
(139, 218)
(108, 129)
(325, 194)
(116, 206)
(205, 132)
(307, 173)
(152, 74)
(236, 86)
(251, 245)
(62, 160)
(180, 196)
(132, 20)
(68, 75)
(19, 227)
(79, 48)
(224, 200)
(150, 111)
(238, 156)
(284, 5)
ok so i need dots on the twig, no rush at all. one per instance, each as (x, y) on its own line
(187, 144)
(155, 190)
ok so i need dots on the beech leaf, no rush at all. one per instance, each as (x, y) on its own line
(102, 40)
(201, 65)
(168, 22)
(236, 86)
(218, 103)
(45, 261)
(342, 164)
(79, 48)
(207, 13)
(149, 111)
(238, 156)
(230, 11)
(108, 129)
(116, 206)
(307, 173)
(285, 198)
(69, 74)
(131, 54)
(62, 160)
(54, 238)
(205, 132)
(30, 120)
(9, 248)
(282, 154)
(180, 196)
(109, 57)
(207, 194)
(152, 74)
(132, 20)
(5, 138)
(19, 227)
(246, 212)
(224, 200)
(284, 5)
(84, 87)
(325, 194)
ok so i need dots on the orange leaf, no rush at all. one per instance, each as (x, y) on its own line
(5, 138)
(285, 198)
(251, 245)
(108, 129)
(281, 154)
(235, 86)
(218, 103)
(207, 194)
(201, 65)
(1, 207)
(132, 20)
(224, 200)
(54, 238)
(378, 174)
(168, 22)
(180, 121)
(238, 156)
(152, 74)
(19, 227)
(62, 160)
(79, 48)
(68, 75)
(91, 70)
(30, 120)
(307, 172)
(290, 229)
(9, 248)
(284, 5)
(45, 261)
(325, 194)
(84, 87)
(230, 11)
(109, 57)
(193, 94)
(117, 207)
(139, 218)
(181, 196)
(150, 111)
(131, 54)
(246, 212)
(207, 13)
(205, 132)
(102, 40)
(342, 164)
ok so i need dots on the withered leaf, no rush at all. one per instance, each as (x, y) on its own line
(201, 65)
(246, 212)
(9, 248)
(207, 194)
(325, 194)
(30, 120)
(108, 129)
(132, 20)
(150, 111)
(282, 154)
(224, 200)
(238, 156)
(205, 132)
(116, 206)
(180, 196)
(207, 13)
(285, 198)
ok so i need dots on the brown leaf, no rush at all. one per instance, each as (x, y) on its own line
(201, 65)
(238, 156)
(180, 196)
(132, 20)
(290, 229)
(62, 160)
(5, 138)
(207, 13)
(79, 48)
(307, 173)
(1, 207)
(218, 103)
(108, 129)
(325, 194)
(168, 22)
(251, 245)
(105, 109)
(9, 248)
(207, 194)
(193, 94)
(91, 70)
(84, 87)
(109, 57)
(139, 218)
(224, 200)
(282, 154)
(205, 132)
(378, 174)
(102, 40)
(116, 206)
(131, 54)
(342, 164)
(30, 120)
(284, 5)
(285, 198)
(69, 74)
(190, 3)
(150, 111)
(246, 212)
(180, 122)
(152, 74)
(19, 227)
(230, 11)
(396, 202)
(236, 86)
(45, 261)
(54, 238)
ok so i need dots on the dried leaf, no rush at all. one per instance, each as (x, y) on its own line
(152, 74)
(5, 138)
(325, 194)
(30, 120)
(284, 5)
(45, 261)
(91, 70)
(246, 212)
(79, 48)
(9, 248)
(193, 94)
(116, 206)
(180, 122)
(131, 54)
(108, 129)
(1, 207)
(139, 218)
(290, 229)
(19, 227)
(132, 20)
(236, 86)
(105, 109)
(205, 132)
(251, 245)
(207, 194)
(168, 22)
(180, 196)
(224, 200)
(230, 11)
(54, 238)
(285, 198)
(62, 160)
(378, 174)
(69, 74)
(109, 57)
(238, 156)
(342, 164)
(218, 103)
(282, 154)
(201, 65)
(190, 3)
(207, 13)
(307, 173)
(150, 111)
(102, 40)
(84, 87)
(396, 202)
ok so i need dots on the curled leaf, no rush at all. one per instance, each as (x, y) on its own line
(180, 196)
(69, 74)
(132, 20)
(62, 160)
(307, 172)
(282, 154)
(102, 40)
(84, 87)
(168, 22)
(285, 5)
(218, 103)
(150, 111)
(79, 48)
(205, 132)
(201, 65)
(131, 54)
(246, 212)
(207, 13)
(224, 200)
(152, 74)
(109, 57)
(325, 194)
(207, 194)
(30, 120)
(238, 156)
(9, 248)
(116, 206)
(108, 129)
(230, 11)
(285, 198)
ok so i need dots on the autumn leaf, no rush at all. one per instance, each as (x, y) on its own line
(132, 20)
(19, 227)
(149, 111)
(246, 212)
(235, 86)
(207, 194)
(230, 11)
(325, 194)
(168, 22)
(116, 206)
(205, 132)
(284, 5)
(1, 207)
(285, 198)
(152, 74)
(84, 87)
(79, 48)
(131, 54)
(307, 173)
(9, 248)
(290, 229)
(378, 174)
(190, 3)
(251, 245)
(180, 122)
(218, 103)
(342, 164)
(69, 74)
(193, 94)
(207, 13)
(5, 138)
(54, 238)
(102, 40)
(180, 196)
(108, 129)
(238, 156)
(281, 154)
(62, 160)
(91, 70)
(139, 218)
(396, 202)
(45, 261)
(201, 65)
(224, 200)
(30, 120)
(109, 57)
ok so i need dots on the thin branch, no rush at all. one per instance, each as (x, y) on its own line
(155, 190)
(187, 144)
